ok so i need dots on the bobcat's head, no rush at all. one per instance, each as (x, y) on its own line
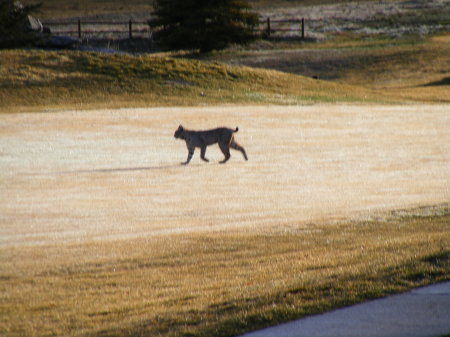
(180, 133)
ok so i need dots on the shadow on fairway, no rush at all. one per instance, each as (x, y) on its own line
(126, 169)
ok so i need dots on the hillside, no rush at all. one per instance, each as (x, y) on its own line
(415, 68)
(366, 51)
(44, 80)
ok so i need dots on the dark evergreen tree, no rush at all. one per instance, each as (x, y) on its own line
(14, 24)
(202, 24)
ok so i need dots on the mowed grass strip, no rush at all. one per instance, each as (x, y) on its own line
(216, 284)
(43, 80)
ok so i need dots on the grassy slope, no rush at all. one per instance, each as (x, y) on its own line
(396, 68)
(217, 284)
(411, 68)
(41, 80)
(418, 68)
(363, 70)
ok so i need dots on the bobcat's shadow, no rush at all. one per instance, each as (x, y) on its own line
(125, 169)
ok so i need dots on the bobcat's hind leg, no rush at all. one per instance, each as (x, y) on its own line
(236, 146)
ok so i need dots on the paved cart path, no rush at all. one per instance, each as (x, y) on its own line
(423, 312)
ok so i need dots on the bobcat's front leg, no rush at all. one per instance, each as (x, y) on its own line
(203, 152)
(190, 154)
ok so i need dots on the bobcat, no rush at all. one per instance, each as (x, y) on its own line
(201, 139)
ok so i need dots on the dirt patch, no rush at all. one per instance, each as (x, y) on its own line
(96, 175)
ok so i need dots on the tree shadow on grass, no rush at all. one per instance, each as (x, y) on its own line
(444, 81)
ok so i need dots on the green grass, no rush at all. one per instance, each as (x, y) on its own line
(216, 284)
(42, 80)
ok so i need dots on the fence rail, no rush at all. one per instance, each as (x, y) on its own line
(133, 28)
(100, 29)
(269, 28)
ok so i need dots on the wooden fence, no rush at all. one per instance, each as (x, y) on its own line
(100, 29)
(133, 29)
(274, 26)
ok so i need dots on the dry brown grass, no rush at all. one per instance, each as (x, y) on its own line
(216, 284)
(402, 68)
(38, 80)
(103, 233)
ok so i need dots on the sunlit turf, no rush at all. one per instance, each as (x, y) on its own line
(42, 80)
(216, 284)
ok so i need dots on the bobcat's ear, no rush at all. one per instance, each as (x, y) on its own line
(180, 127)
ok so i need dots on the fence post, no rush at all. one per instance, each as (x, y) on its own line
(268, 27)
(303, 28)
(130, 28)
(79, 28)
